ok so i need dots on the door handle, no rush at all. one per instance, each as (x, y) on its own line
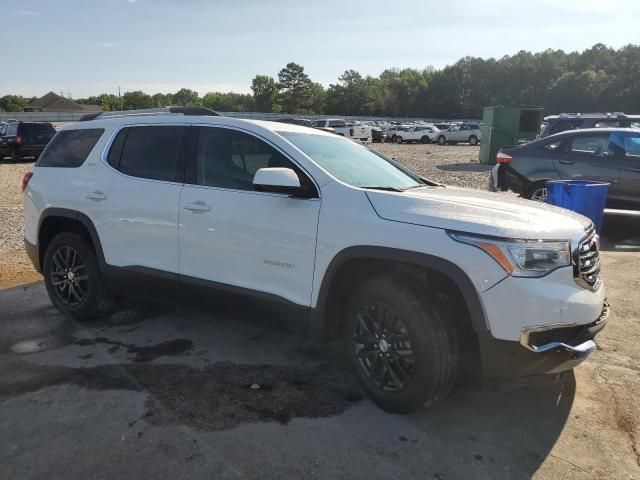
(96, 195)
(197, 206)
(567, 162)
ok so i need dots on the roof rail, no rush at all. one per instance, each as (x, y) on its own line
(151, 112)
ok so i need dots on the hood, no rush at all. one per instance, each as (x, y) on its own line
(479, 212)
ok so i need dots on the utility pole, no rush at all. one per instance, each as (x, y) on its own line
(120, 99)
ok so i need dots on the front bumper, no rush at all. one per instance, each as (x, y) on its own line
(541, 350)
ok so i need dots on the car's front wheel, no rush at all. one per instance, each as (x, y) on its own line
(72, 277)
(473, 140)
(425, 139)
(401, 344)
(442, 140)
(399, 139)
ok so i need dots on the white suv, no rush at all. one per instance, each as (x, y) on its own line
(464, 133)
(419, 279)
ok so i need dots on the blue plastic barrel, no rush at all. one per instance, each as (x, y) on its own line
(582, 196)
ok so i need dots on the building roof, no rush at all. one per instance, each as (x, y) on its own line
(52, 102)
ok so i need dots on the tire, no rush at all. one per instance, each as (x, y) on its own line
(425, 139)
(398, 139)
(427, 369)
(83, 295)
(14, 155)
(393, 137)
(537, 192)
(473, 140)
(442, 140)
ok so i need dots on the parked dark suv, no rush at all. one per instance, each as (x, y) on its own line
(25, 139)
(574, 121)
(602, 154)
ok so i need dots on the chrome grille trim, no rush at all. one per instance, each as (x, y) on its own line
(586, 260)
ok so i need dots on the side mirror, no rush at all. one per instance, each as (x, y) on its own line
(278, 180)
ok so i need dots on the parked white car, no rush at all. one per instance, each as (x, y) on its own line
(352, 130)
(421, 134)
(419, 279)
(463, 133)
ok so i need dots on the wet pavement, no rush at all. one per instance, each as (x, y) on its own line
(153, 392)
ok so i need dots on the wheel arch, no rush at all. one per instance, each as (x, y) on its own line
(56, 220)
(356, 263)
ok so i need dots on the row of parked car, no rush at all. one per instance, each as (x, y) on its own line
(382, 131)
(20, 140)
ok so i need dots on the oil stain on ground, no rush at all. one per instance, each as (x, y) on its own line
(217, 397)
(147, 353)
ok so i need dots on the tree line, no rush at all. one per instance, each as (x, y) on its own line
(598, 79)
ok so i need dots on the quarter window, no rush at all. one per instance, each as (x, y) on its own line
(148, 152)
(70, 148)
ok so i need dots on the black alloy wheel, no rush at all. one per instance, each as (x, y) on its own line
(69, 276)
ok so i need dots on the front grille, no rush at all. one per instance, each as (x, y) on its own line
(587, 260)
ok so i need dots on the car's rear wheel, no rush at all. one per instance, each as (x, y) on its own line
(442, 140)
(72, 277)
(537, 192)
(401, 344)
(398, 139)
(473, 140)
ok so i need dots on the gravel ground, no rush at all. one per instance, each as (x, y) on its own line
(453, 165)
(15, 266)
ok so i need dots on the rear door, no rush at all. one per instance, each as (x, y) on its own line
(589, 156)
(629, 191)
(135, 204)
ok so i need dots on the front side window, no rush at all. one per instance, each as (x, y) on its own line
(148, 151)
(229, 158)
(70, 148)
(337, 123)
(352, 163)
(627, 144)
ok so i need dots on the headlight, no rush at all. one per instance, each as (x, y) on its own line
(521, 258)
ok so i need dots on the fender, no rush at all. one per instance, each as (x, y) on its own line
(455, 273)
(83, 219)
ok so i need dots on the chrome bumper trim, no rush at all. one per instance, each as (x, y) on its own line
(584, 348)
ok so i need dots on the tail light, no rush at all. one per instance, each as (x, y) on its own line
(18, 140)
(25, 180)
(351, 130)
(503, 157)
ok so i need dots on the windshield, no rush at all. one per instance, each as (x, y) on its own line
(351, 163)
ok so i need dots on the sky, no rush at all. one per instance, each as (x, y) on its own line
(87, 47)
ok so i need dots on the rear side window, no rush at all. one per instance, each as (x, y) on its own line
(597, 146)
(70, 148)
(147, 152)
(337, 123)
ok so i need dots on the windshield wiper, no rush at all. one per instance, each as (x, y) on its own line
(384, 187)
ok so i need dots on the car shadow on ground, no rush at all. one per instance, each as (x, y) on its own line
(621, 232)
(221, 369)
(465, 167)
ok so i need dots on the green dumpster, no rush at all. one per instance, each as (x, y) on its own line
(504, 126)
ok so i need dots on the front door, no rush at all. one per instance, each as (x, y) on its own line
(629, 192)
(231, 234)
